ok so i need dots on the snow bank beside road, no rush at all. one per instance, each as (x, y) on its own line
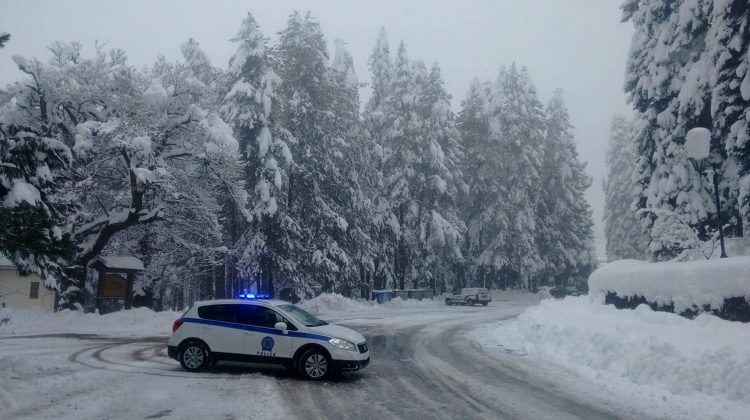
(138, 321)
(336, 304)
(686, 284)
(706, 359)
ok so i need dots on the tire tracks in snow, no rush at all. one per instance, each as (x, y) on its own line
(433, 370)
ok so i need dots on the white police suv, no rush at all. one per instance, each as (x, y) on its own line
(264, 331)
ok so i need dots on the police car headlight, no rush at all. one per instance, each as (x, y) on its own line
(342, 344)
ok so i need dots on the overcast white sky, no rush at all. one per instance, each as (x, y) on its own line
(577, 45)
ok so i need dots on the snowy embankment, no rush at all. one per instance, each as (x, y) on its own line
(139, 321)
(687, 285)
(143, 321)
(670, 366)
(329, 304)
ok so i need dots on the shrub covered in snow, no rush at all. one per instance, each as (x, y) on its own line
(720, 285)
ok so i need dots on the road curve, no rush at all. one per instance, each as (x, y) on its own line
(434, 371)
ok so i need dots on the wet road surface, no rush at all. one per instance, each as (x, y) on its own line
(433, 371)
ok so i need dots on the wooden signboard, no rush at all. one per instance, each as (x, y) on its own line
(113, 286)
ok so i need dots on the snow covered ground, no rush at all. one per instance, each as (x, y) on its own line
(670, 366)
(89, 378)
(573, 355)
(135, 322)
(71, 365)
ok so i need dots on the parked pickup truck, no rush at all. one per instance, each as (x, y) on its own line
(469, 296)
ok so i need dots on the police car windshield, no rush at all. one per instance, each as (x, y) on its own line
(300, 315)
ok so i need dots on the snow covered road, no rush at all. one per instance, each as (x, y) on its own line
(423, 364)
(429, 369)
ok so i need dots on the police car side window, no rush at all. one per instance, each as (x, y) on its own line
(249, 315)
(225, 313)
(260, 316)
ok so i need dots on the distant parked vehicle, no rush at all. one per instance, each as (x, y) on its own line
(469, 296)
(560, 292)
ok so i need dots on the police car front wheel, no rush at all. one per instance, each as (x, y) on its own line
(194, 356)
(314, 364)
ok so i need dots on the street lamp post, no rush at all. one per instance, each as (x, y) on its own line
(719, 219)
(698, 147)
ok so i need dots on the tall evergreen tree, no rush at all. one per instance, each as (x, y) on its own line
(621, 230)
(380, 67)
(517, 122)
(359, 163)
(564, 221)
(402, 162)
(441, 228)
(384, 226)
(253, 107)
(34, 160)
(483, 207)
(728, 49)
(323, 197)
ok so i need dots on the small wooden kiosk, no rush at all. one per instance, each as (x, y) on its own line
(116, 276)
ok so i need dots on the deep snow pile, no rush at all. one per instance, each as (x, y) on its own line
(640, 347)
(336, 304)
(686, 284)
(138, 321)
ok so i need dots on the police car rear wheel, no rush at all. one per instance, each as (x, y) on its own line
(194, 357)
(448, 302)
(314, 364)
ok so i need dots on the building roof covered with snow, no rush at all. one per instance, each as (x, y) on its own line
(118, 263)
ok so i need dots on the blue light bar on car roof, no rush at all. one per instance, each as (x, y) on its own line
(253, 296)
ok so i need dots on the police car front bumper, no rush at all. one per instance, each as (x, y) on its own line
(350, 361)
(350, 365)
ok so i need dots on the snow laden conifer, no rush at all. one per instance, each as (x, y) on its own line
(380, 68)
(564, 218)
(417, 209)
(622, 232)
(359, 164)
(728, 48)
(670, 79)
(252, 106)
(483, 208)
(323, 197)
(34, 178)
(440, 226)
(402, 163)
(517, 123)
(384, 225)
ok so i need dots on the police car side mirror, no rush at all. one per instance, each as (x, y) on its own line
(280, 326)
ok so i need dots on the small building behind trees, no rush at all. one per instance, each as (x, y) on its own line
(23, 292)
